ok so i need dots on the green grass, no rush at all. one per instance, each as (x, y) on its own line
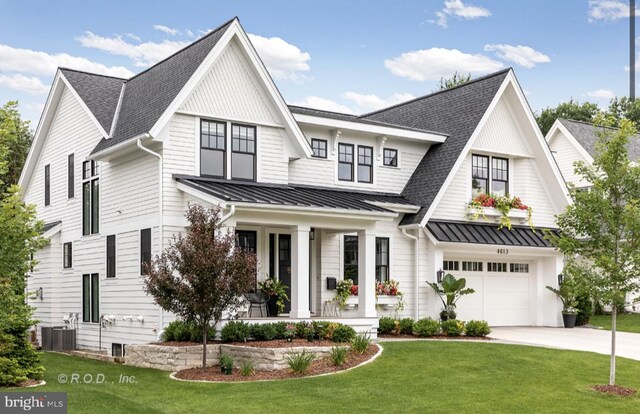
(625, 323)
(442, 377)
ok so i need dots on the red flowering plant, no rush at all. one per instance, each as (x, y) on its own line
(503, 204)
(390, 288)
(344, 289)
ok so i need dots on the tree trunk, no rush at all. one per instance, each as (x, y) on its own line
(612, 370)
(205, 331)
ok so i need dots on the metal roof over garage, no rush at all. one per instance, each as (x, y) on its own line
(487, 233)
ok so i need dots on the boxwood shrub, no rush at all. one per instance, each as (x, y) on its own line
(452, 327)
(181, 331)
(386, 325)
(477, 328)
(343, 333)
(263, 331)
(235, 331)
(426, 327)
(406, 326)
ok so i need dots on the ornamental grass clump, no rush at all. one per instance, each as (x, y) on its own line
(360, 344)
(338, 355)
(299, 362)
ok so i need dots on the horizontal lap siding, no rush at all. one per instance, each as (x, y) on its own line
(566, 154)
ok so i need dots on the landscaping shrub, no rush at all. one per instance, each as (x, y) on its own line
(452, 327)
(321, 329)
(301, 329)
(263, 332)
(585, 310)
(331, 327)
(246, 368)
(406, 326)
(235, 331)
(299, 362)
(226, 364)
(343, 333)
(386, 325)
(426, 327)
(338, 355)
(181, 331)
(360, 344)
(477, 328)
(281, 330)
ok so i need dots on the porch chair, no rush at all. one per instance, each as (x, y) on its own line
(257, 300)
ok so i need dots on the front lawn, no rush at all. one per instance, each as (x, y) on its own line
(443, 377)
(625, 323)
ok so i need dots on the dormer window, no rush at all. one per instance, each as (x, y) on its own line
(365, 164)
(345, 162)
(213, 137)
(485, 180)
(390, 158)
(319, 147)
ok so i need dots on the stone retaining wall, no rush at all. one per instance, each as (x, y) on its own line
(177, 358)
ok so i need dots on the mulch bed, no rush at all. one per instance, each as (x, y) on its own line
(614, 390)
(406, 336)
(27, 383)
(319, 366)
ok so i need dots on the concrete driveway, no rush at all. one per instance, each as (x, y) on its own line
(579, 339)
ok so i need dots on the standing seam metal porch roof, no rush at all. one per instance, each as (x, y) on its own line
(487, 233)
(291, 195)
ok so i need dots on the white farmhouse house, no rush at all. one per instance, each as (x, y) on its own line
(115, 163)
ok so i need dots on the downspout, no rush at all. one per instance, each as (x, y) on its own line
(417, 267)
(232, 211)
(160, 207)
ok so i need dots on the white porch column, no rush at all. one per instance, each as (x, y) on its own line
(366, 273)
(434, 264)
(300, 272)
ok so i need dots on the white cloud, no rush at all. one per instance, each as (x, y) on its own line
(435, 63)
(459, 9)
(166, 29)
(284, 60)
(41, 63)
(33, 85)
(608, 10)
(603, 94)
(188, 33)
(143, 54)
(371, 102)
(520, 55)
(133, 36)
(323, 103)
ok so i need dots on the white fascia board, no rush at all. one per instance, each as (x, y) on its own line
(52, 231)
(110, 152)
(397, 207)
(201, 194)
(377, 130)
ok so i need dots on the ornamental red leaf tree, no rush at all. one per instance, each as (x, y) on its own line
(201, 274)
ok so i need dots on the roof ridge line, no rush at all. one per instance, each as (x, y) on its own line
(587, 123)
(91, 73)
(186, 47)
(481, 78)
(323, 110)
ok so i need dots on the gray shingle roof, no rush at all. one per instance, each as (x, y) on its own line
(100, 93)
(50, 225)
(482, 233)
(148, 94)
(455, 111)
(290, 195)
(587, 135)
(351, 118)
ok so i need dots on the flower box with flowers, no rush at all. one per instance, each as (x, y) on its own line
(501, 209)
(388, 295)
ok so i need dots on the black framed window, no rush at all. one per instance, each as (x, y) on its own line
(351, 258)
(111, 255)
(90, 198)
(91, 298)
(519, 267)
(365, 164)
(243, 152)
(345, 162)
(272, 255)
(471, 266)
(213, 137)
(247, 240)
(67, 255)
(71, 187)
(47, 185)
(319, 147)
(496, 267)
(145, 249)
(451, 265)
(479, 174)
(500, 176)
(390, 157)
(382, 259)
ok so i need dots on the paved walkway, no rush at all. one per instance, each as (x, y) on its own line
(579, 339)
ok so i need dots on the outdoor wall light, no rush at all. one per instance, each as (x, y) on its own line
(312, 234)
(440, 274)
(560, 279)
(40, 293)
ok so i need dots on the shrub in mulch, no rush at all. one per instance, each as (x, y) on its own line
(317, 367)
(614, 390)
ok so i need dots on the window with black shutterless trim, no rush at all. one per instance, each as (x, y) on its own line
(382, 259)
(365, 164)
(213, 136)
(500, 176)
(71, 186)
(90, 198)
(390, 157)
(243, 152)
(67, 255)
(351, 258)
(345, 162)
(479, 174)
(319, 147)
(111, 255)
(47, 184)
(91, 298)
(145, 250)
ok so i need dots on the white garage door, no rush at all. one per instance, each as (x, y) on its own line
(502, 294)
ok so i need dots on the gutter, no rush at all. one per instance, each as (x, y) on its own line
(232, 211)
(160, 205)
(417, 267)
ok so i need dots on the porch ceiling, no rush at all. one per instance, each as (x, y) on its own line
(296, 196)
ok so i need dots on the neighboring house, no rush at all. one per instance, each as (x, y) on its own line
(318, 195)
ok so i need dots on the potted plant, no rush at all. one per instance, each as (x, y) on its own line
(568, 296)
(345, 290)
(276, 291)
(451, 290)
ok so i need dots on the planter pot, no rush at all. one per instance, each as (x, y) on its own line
(569, 320)
(447, 314)
(272, 306)
(352, 302)
(387, 301)
(493, 214)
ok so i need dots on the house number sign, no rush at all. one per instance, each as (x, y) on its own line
(503, 251)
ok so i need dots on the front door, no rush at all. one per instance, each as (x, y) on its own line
(284, 266)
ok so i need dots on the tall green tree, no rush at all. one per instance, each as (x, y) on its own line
(600, 231)
(624, 108)
(15, 140)
(19, 239)
(453, 80)
(586, 112)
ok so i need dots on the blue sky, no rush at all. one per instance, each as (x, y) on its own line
(343, 55)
